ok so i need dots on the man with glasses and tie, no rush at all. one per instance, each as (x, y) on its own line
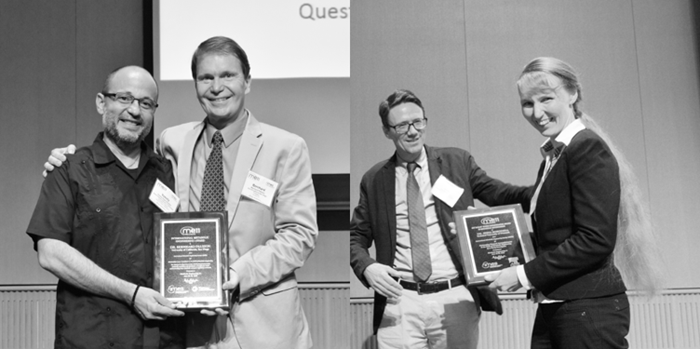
(92, 228)
(270, 235)
(421, 300)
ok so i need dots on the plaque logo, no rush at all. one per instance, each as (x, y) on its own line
(176, 289)
(189, 231)
(490, 220)
(487, 265)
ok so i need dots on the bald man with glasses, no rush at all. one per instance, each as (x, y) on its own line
(93, 228)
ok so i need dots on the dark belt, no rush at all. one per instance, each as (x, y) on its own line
(432, 287)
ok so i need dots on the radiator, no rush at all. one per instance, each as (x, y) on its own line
(327, 308)
(27, 317)
(670, 320)
(361, 330)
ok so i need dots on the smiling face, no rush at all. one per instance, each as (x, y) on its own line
(547, 105)
(221, 88)
(410, 144)
(127, 125)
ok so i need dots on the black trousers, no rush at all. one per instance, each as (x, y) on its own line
(597, 323)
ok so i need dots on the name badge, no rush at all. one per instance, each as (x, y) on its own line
(161, 196)
(259, 188)
(446, 191)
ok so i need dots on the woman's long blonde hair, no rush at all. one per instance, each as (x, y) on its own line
(636, 250)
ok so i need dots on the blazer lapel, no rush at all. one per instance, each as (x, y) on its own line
(435, 168)
(387, 180)
(185, 165)
(444, 212)
(251, 142)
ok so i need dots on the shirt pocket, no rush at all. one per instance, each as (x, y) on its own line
(98, 210)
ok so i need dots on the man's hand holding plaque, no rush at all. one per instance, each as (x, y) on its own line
(230, 286)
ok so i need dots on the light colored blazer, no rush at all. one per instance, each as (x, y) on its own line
(266, 245)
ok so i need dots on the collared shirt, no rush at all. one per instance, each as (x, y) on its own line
(232, 140)
(100, 208)
(550, 150)
(443, 267)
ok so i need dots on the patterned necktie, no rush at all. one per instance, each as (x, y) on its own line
(212, 197)
(420, 248)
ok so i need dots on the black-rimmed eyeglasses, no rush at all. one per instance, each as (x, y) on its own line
(126, 99)
(405, 126)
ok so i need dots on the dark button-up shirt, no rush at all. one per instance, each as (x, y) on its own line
(100, 208)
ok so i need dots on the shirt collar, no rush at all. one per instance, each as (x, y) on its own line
(555, 146)
(230, 133)
(422, 160)
(102, 155)
(101, 152)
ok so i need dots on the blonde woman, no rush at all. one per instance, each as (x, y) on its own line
(591, 231)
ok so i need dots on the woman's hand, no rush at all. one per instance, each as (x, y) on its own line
(507, 280)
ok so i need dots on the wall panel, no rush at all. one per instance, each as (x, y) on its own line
(55, 56)
(38, 90)
(502, 38)
(668, 74)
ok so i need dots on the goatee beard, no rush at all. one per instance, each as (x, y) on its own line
(121, 142)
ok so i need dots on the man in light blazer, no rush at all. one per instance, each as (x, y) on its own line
(269, 238)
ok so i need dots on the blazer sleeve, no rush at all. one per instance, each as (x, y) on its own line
(164, 147)
(580, 242)
(361, 235)
(294, 219)
(494, 192)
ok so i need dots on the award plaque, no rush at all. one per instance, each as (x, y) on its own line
(492, 239)
(191, 259)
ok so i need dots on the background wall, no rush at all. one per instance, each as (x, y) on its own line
(54, 58)
(638, 61)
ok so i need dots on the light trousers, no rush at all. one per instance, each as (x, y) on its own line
(442, 320)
